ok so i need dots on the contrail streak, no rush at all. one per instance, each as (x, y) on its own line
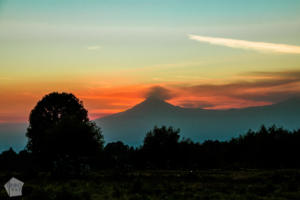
(244, 44)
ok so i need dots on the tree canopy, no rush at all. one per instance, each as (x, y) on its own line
(161, 145)
(59, 126)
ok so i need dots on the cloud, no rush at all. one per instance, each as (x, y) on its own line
(194, 104)
(93, 47)
(244, 44)
(256, 86)
(159, 92)
(250, 89)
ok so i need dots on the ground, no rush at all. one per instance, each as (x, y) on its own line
(159, 184)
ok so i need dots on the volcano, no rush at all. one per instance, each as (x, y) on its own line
(197, 124)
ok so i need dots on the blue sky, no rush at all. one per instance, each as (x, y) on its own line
(110, 53)
(100, 44)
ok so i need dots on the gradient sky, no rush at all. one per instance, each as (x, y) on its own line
(213, 54)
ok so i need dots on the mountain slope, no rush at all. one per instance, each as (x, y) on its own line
(198, 124)
(12, 135)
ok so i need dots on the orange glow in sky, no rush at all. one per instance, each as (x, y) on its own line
(106, 100)
(204, 54)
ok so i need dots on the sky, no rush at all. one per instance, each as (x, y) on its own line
(211, 54)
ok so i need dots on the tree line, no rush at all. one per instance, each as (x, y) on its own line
(62, 139)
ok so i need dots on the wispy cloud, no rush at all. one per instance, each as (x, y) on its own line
(263, 87)
(244, 44)
(93, 47)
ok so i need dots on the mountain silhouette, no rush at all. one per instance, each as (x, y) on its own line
(198, 124)
(12, 135)
(149, 107)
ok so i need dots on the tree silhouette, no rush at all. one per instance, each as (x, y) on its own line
(117, 154)
(69, 137)
(161, 146)
(59, 127)
(8, 159)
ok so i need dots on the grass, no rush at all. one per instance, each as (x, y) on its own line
(159, 184)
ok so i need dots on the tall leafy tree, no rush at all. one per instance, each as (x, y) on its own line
(59, 127)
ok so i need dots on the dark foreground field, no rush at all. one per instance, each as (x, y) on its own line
(205, 184)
